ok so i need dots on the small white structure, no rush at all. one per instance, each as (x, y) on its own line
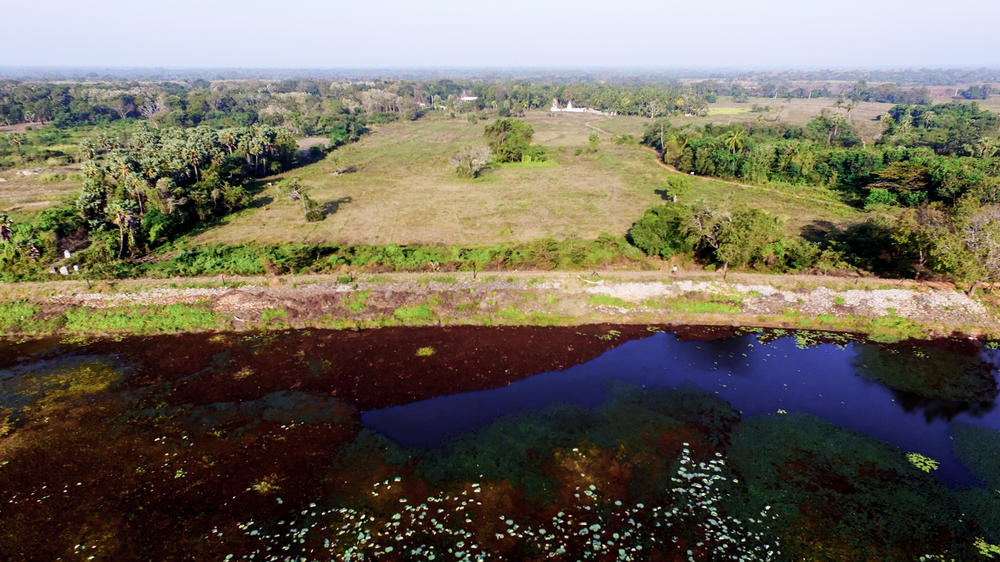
(570, 109)
(64, 270)
(469, 98)
(67, 254)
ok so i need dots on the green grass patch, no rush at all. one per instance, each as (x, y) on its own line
(273, 314)
(728, 110)
(420, 314)
(511, 315)
(607, 300)
(425, 351)
(142, 320)
(17, 316)
(357, 302)
(702, 307)
(891, 329)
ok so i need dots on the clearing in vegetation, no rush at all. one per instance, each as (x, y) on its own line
(405, 190)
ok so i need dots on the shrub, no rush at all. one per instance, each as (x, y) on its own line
(661, 231)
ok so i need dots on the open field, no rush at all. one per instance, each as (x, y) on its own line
(24, 195)
(794, 111)
(405, 190)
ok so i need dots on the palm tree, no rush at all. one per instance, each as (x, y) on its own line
(122, 213)
(17, 140)
(737, 141)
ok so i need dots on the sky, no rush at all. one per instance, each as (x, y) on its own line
(665, 34)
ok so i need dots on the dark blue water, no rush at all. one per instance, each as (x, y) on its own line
(756, 378)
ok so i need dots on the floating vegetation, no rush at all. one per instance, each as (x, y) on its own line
(610, 335)
(426, 351)
(595, 525)
(925, 464)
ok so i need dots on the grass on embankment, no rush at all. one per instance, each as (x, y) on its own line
(27, 319)
(442, 301)
(252, 259)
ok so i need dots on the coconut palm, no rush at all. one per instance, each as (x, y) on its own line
(123, 214)
(737, 141)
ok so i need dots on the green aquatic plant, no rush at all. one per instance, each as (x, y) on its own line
(426, 351)
(925, 464)
(986, 549)
(611, 335)
(781, 459)
(930, 372)
(594, 525)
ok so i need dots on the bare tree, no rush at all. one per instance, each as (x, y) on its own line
(471, 161)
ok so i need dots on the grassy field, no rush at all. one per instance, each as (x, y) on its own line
(794, 111)
(405, 190)
(23, 196)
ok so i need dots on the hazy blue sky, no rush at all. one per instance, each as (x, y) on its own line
(390, 33)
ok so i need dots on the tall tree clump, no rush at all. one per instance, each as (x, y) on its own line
(737, 238)
(969, 245)
(740, 238)
(510, 141)
(161, 182)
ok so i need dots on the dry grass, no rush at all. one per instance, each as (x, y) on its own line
(794, 111)
(405, 190)
(23, 196)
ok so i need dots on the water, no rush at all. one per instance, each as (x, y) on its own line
(756, 378)
(604, 443)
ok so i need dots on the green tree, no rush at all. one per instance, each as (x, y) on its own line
(970, 246)
(916, 232)
(510, 140)
(662, 231)
(17, 140)
(123, 214)
(745, 236)
(736, 140)
(734, 238)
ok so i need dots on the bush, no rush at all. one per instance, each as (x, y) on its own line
(879, 196)
(661, 232)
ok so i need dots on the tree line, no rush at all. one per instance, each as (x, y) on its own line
(926, 153)
(961, 242)
(149, 188)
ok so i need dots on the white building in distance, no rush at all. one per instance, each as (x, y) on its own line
(570, 109)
